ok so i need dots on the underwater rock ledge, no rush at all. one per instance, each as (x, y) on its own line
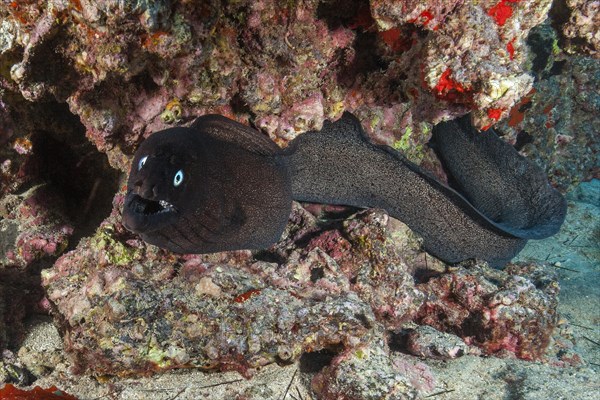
(126, 307)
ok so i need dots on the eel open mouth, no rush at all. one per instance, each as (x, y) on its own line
(144, 215)
(140, 205)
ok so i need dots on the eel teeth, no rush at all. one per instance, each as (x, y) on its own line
(165, 204)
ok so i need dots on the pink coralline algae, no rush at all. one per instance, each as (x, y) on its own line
(32, 226)
(130, 68)
(498, 311)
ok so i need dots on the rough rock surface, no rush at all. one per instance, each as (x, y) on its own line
(425, 341)
(499, 311)
(33, 226)
(127, 307)
(130, 68)
(581, 29)
(363, 373)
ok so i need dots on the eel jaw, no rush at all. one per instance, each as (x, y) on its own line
(144, 215)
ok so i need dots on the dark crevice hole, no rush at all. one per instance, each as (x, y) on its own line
(239, 105)
(81, 174)
(557, 68)
(366, 59)
(397, 341)
(338, 13)
(355, 15)
(316, 274)
(57, 70)
(143, 81)
(269, 257)
(316, 361)
(423, 275)
(522, 139)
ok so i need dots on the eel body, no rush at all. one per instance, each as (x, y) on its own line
(237, 186)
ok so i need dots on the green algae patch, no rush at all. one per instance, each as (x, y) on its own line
(403, 144)
(411, 142)
(116, 253)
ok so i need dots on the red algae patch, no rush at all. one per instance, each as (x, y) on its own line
(10, 392)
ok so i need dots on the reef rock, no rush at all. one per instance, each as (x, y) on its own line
(127, 307)
(581, 29)
(425, 341)
(130, 68)
(82, 83)
(33, 227)
(512, 310)
(363, 373)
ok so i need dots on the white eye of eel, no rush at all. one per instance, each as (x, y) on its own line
(178, 178)
(142, 162)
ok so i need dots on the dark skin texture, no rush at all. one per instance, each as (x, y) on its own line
(236, 188)
(230, 198)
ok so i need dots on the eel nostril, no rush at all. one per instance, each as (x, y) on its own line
(155, 190)
(138, 183)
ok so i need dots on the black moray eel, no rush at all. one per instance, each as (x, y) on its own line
(220, 185)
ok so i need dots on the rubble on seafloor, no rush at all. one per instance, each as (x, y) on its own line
(511, 310)
(363, 373)
(80, 80)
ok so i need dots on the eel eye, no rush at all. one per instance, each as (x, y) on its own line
(142, 162)
(178, 178)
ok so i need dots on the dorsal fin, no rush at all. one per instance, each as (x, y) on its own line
(227, 130)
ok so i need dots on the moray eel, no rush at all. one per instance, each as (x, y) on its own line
(220, 185)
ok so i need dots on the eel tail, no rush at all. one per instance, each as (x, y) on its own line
(504, 200)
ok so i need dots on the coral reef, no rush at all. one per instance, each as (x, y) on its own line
(498, 311)
(287, 65)
(261, 311)
(127, 307)
(82, 83)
